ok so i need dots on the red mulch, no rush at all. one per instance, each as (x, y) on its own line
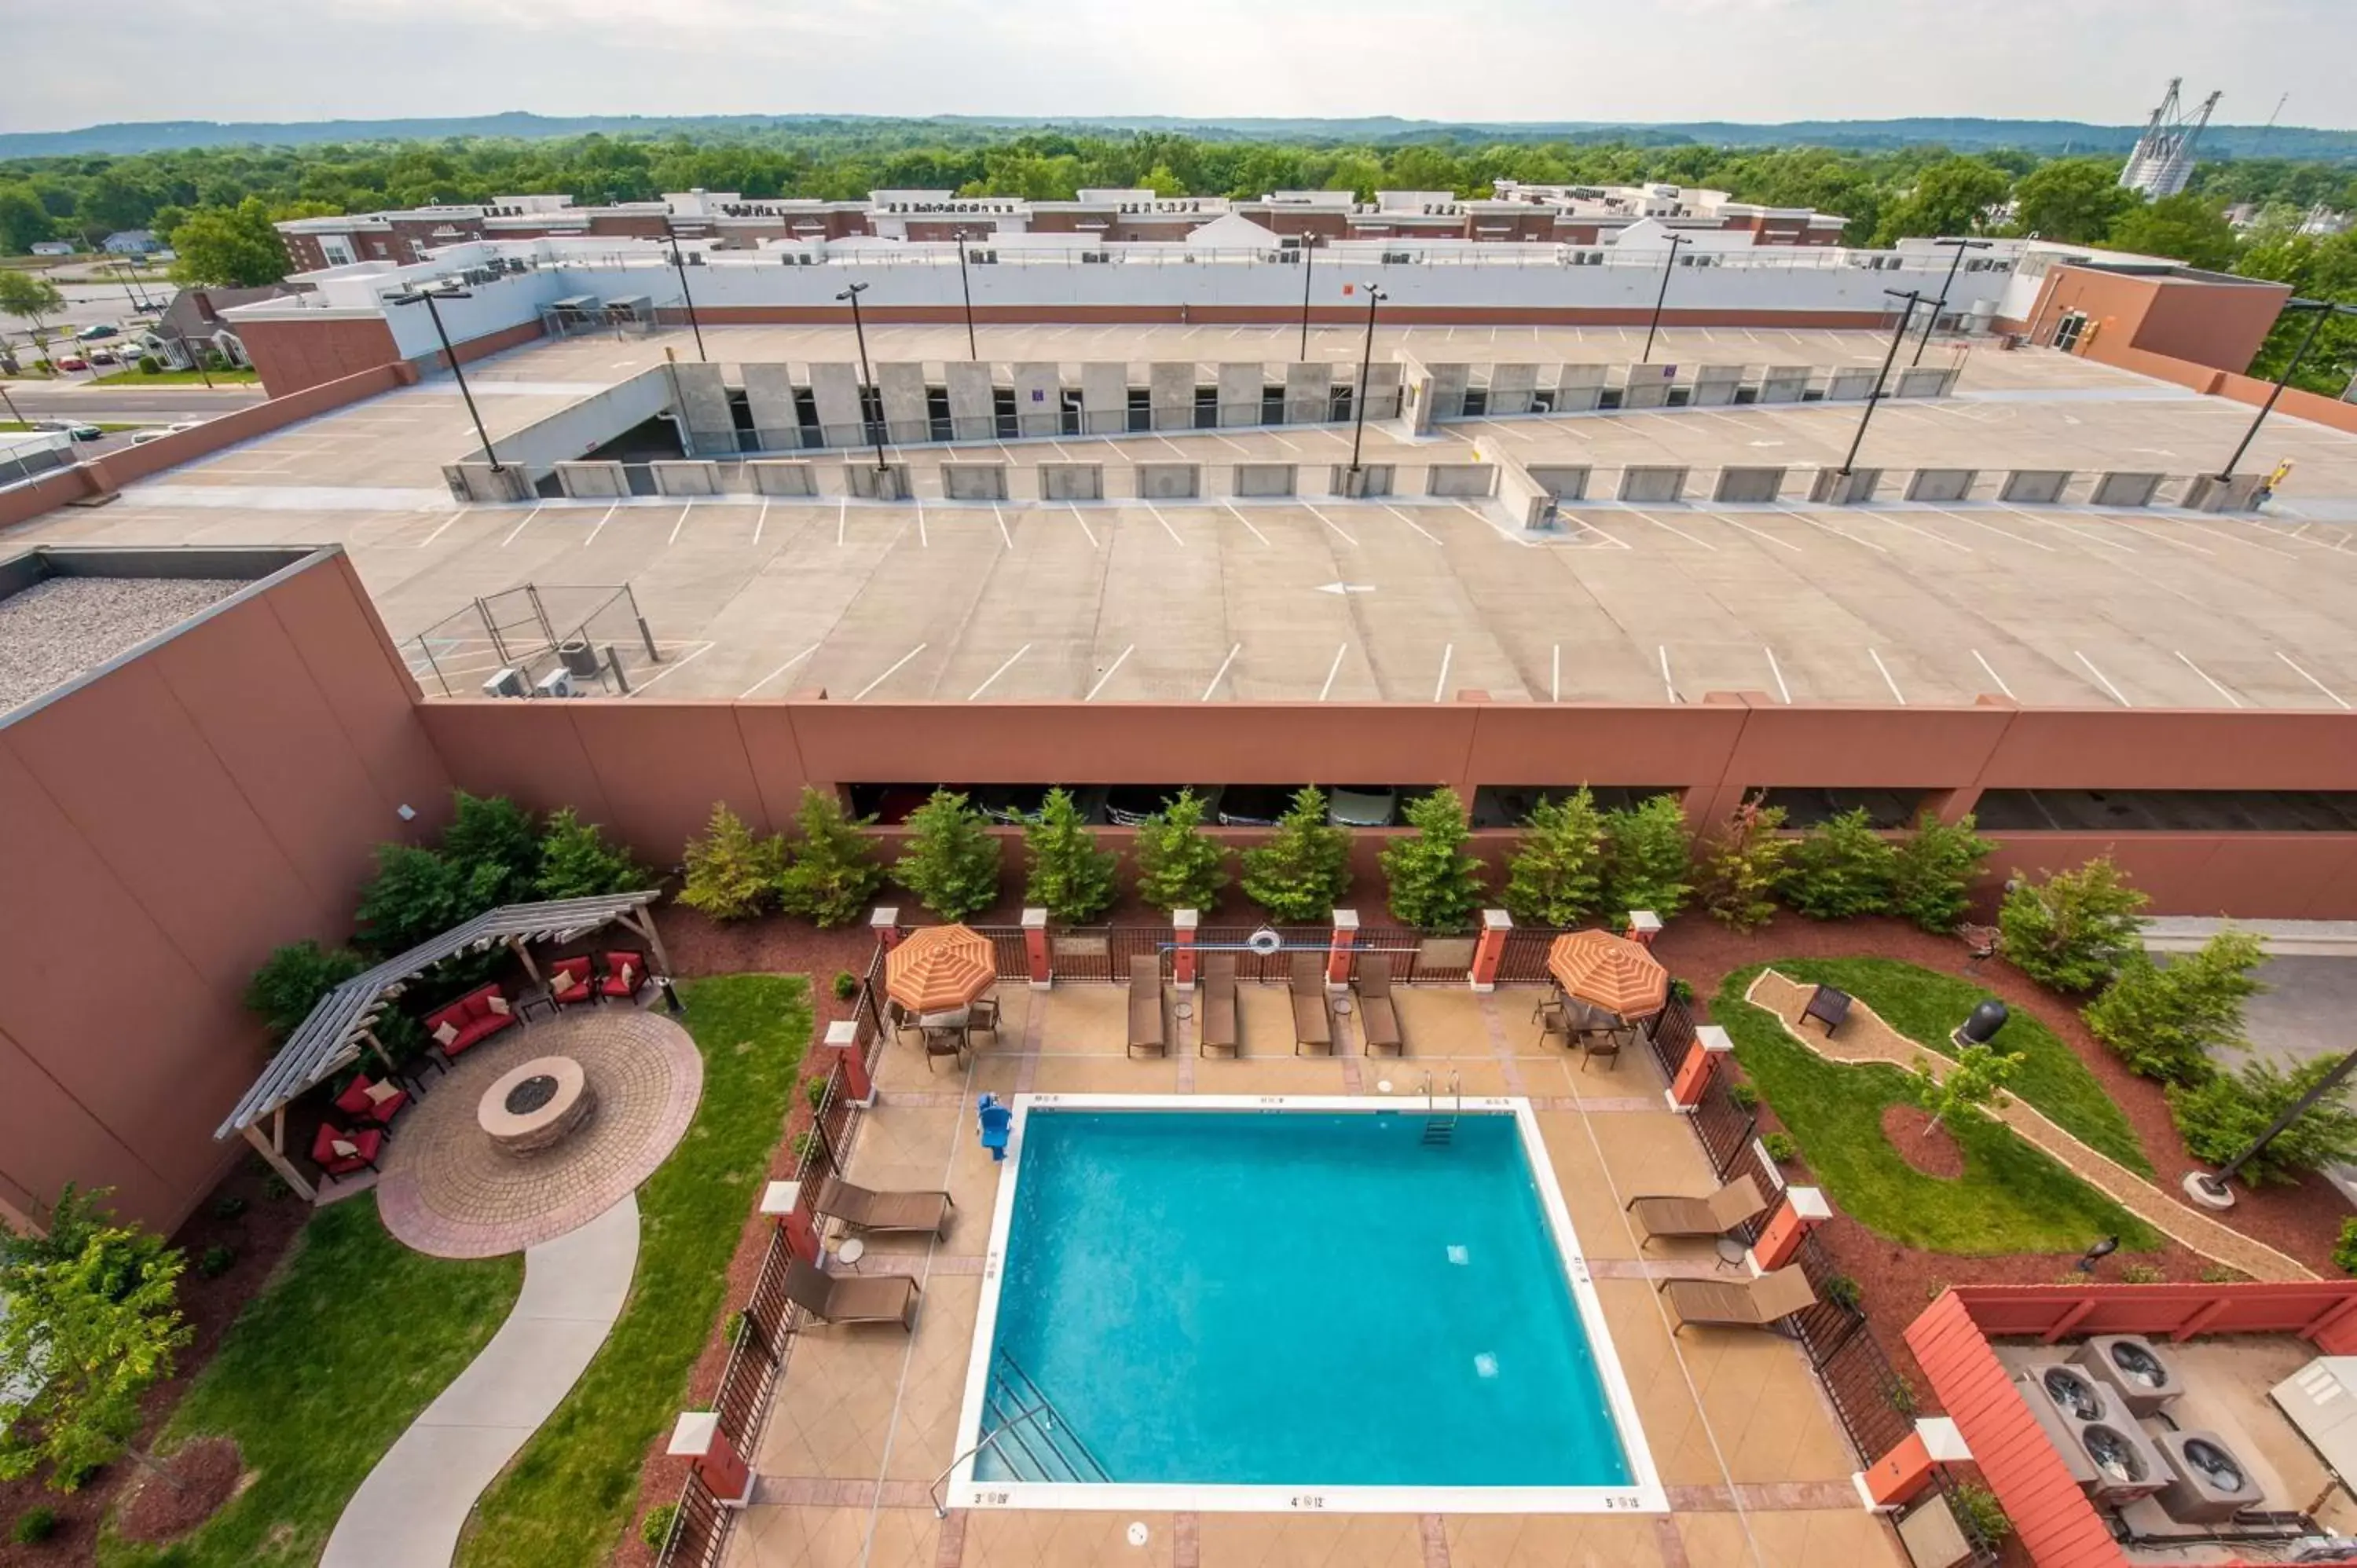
(192, 1486)
(260, 1236)
(1931, 1150)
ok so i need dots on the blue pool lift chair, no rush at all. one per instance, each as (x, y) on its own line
(998, 1121)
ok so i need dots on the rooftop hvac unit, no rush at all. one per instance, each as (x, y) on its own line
(579, 658)
(2208, 1484)
(2064, 1400)
(557, 683)
(2126, 1467)
(2133, 1368)
(508, 682)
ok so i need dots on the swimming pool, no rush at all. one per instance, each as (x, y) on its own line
(1211, 1303)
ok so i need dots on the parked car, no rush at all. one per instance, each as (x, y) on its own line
(1364, 806)
(92, 333)
(153, 433)
(81, 432)
(1256, 805)
(104, 356)
(70, 362)
(1127, 805)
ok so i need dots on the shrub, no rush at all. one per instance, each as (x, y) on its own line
(846, 985)
(1976, 1076)
(1647, 858)
(951, 861)
(2222, 1275)
(803, 1142)
(229, 1206)
(1434, 884)
(495, 845)
(655, 1529)
(1681, 990)
(732, 1328)
(576, 861)
(2164, 1021)
(2344, 1251)
(1557, 876)
(1177, 867)
(1840, 869)
(150, 365)
(732, 875)
(814, 1089)
(1743, 1097)
(2073, 930)
(216, 1260)
(292, 979)
(1747, 860)
(33, 1526)
(1780, 1147)
(74, 1220)
(2142, 1274)
(415, 894)
(1980, 1513)
(2222, 1117)
(831, 873)
(1844, 1291)
(1301, 872)
(1933, 871)
(1068, 875)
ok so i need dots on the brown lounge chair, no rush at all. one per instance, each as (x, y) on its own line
(852, 1298)
(1378, 1019)
(864, 1209)
(1748, 1304)
(1313, 1022)
(1148, 1023)
(1221, 1032)
(1717, 1215)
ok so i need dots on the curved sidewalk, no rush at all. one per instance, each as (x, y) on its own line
(409, 1511)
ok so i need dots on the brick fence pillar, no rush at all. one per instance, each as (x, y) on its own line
(1035, 948)
(1900, 1476)
(842, 1039)
(782, 1201)
(1643, 926)
(1338, 948)
(1489, 950)
(884, 922)
(1182, 952)
(697, 1436)
(1710, 1043)
(1804, 1209)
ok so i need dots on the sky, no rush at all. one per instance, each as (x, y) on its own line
(2104, 61)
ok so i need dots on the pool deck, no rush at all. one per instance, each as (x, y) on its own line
(864, 1420)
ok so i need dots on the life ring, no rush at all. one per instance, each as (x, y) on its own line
(1264, 941)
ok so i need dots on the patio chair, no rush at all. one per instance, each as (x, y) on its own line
(367, 1099)
(864, 1209)
(944, 1040)
(996, 1124)
(1605, 1043)
(1553, 1017)
(1148, 1020)
(340, 1153)
(852, 1298)
(569, 981)
(1722, 1212)
(1746, 1303)
(1313, 1018)
(1378, 1019)
(1221, 1030)
(625, 975)
(982, 1013)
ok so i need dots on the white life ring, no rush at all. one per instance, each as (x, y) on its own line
(1264, 941)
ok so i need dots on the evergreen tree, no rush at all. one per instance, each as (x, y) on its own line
(1433, 883)
(1303, 871)
(952, 861)
(1068, 875)
(414, 894)
(1932, 873)
(576, 861)
(831, 873)
(1178, 866)
(1840, 869)
(1557, 876)
(1649, 858)
(732, 874)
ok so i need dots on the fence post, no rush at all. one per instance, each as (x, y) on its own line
(1802, 1210)
(1901, 1475)
(782, 1201)
(1182, 953)
(1338, 948)
(884, 922)
(698, 1436)
(1643, 926)
(842, 1039)
(1710, 1043)
(1035, 948)
(1489, 950)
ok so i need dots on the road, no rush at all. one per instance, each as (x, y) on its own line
(125, 405)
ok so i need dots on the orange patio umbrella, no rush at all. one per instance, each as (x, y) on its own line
(939, 969)
(1609, 971)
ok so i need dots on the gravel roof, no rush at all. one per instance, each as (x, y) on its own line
(62, 627)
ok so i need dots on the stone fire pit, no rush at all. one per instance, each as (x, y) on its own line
(535, 1104)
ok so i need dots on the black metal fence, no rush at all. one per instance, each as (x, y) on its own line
(1102, 954)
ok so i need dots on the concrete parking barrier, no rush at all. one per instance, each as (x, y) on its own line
(1833, 487)
(1748, 486)
(867, 482)
(1168, 481)
(694, 477)
(1263, 479)
(1562, 481)
(2119, 489)
(2236, 492)
(1462, 479)
(974, 481)
(777, 476)
(1937, 485)
(1071, 481)
(593, 481)
(1653, 484)
(2034, 486)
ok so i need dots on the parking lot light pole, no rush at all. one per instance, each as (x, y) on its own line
(1667, 268)
(1309, 266)
(875, 429)
(679, 265)
(966, 286)
(429, 295)
(2323, 309)
(1962, 246)
(1874, 393)
(1359, 394)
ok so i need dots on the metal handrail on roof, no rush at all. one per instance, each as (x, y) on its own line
(333, 1034)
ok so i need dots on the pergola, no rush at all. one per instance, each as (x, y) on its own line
(343, 1024)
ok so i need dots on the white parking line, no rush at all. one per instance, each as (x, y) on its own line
(1331, 524)
(2074, 532)
(888, 673)
(842, 517)
(2214, 686)
(446, 523)
(761, 522)
(995, 675)
(1839, 533)
(1896, 695)
(924, 540)
(1003, 537)
(781, 670)
(1668, 684)
(1336, 669)
(1991, 671)
(519, 528)
(1911, 528)
(1682, 533)
(592, 537)
(1165, 522)
(676, 527)
(1440, 685)
(1281, 441)
(2000, 533)
(2105, 681)
(1755, 533)
(1240, 517)
(676, 666)
(2311, 679)
(1555, 673)
(1221, 672)
(1085, 529)
(1118, 661)
(1412, 522)
(1778, 670)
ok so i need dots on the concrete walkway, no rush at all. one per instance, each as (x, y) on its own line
(1866, 1038)
(409, 1511)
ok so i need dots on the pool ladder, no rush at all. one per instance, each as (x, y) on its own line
(1031, 1437)
(1440, 1129)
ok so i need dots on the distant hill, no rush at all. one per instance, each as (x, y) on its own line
(2045, 136)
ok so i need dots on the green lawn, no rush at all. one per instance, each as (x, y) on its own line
(2011, 1198)
(569, 1494)
(354, 1335)
(1925, 1006)
(136, 377)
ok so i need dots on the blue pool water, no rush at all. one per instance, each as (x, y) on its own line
(1297, 1299)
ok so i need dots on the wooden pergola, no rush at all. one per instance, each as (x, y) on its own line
(342, 1026)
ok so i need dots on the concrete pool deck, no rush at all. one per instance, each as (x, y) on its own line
(1755, 1465)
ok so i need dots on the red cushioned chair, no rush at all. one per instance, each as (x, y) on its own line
(364, 1142)
(569, 981)
(470, 1021)
(380, 1108)
(625, 975)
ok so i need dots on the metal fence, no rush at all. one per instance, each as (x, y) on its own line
(524, 638)
(1101, 954)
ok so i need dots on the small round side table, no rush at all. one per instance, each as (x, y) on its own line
(850, 1251)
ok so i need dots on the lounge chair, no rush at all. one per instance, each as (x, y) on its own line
(852, 1298)
(1748, 1304)
(1148, 1030)
(1313, 1020)
(1216, 1016)
(863, 1208)
(1717, 1215)
(1378, 1019)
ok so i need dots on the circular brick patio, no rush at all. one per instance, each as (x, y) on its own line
(450, 1191)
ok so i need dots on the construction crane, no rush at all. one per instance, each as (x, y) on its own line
(2163, 159)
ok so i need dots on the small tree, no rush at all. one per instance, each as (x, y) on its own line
(495, 845)
(1303, 871)
(576, 861)
(2222, 1117)
(1177, 867)
(1747, 859)
(1435, 885)
(1933, 870)
(2163, 1023)
(415, 894)
(1840, 869)
(951, 861)
(292, 979)
(831, 873)
(732, 872)
(1068, 874)
(1648, 857)
(30, 298)
(2073, 930)
(1557, 876)
(1975, 1078)
(77, 1217)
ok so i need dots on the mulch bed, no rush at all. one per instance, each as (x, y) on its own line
(192, 1486)
(1929, 1149)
